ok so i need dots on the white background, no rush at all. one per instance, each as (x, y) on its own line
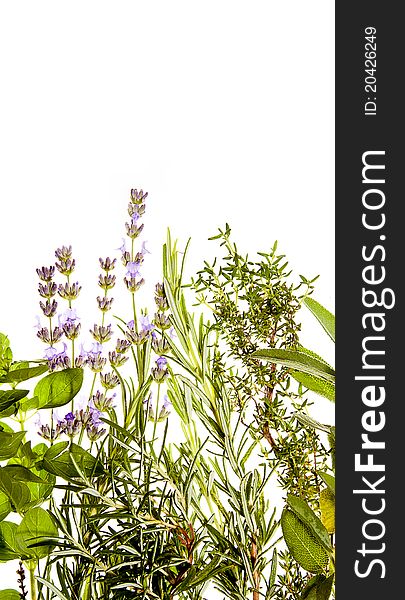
(222, 110)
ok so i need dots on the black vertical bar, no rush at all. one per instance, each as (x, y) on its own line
(369, 119)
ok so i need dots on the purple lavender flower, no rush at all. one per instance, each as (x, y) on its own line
(133, 269)
(106, 282)
(159, 345)
(48, 433)
(101, 333)
(47, 290)
(69, 291)
(96, 362)
(134, 337)
(95, 415)
(63, 253)
(109, 380)
(50, 352)
(71, 330)
(138, 197)
(160, 372)
(59, 360)
(145, 323)
(46, 273)
(66, 267)
(133, 231)
(122, 345)
(161, 362)
(161, 321)
(101, 402)
(116, 359)
(45, 431)
(96, 348)
(65, 264)
(69, 316)
(107, 264)
(104, 303)
(94, 432)
(49, 308)
(133, 285)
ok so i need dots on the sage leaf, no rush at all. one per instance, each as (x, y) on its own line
(324, 588)
(316, 384)
(303, 545)
(327, 506)
(305, 513)
(329, 480)
(298, 361)
(323, 315)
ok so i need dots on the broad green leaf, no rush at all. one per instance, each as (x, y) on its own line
(324, 588)
(298, 361)
(9, 443)
(29, 404)
(41, 491)
(6, 356)
(19, 375)
(20, 473)
(303, 545)
(318, 588)
(25, 456)
(8, 412)
(329, 480)
(309, 590)
(19, 364)
(323, 315)
(37, 525)
(9, 397)
(7, 541)
(59, 388)
(316, 384)
(5, 427)
(17, 491)
(58, 461)
(327, 506)
(5, 506)
(305, 513)
(9, 595)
